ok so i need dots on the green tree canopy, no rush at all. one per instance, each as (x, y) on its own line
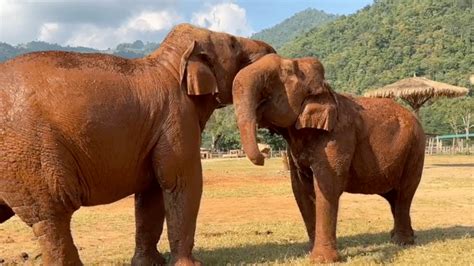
(294, 26)
(391, 40)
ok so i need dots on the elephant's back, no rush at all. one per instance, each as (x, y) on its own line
(387, 112)
(61, 81)
(59, 72)
(58, 60)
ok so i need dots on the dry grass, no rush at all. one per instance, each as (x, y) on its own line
(249, 216)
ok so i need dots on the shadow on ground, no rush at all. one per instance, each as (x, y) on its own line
(379, 242)
(453, 165)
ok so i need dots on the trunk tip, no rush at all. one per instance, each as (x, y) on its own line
(259, 160)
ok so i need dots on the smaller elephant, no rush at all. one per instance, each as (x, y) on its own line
(336, 143)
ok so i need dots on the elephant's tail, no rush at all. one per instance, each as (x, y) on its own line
(5, 212)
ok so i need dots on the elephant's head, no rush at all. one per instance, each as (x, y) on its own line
(208, 61)
(282, 93)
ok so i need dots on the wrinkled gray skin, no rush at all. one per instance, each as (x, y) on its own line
(87, 129)
(336, 143)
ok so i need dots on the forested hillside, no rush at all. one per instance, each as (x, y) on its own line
(294, 26)
(391, 40)
(127, 50)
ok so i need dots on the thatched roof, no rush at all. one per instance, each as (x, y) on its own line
(417, 86)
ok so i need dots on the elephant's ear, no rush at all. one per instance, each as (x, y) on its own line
(318, 111)
(195, 73)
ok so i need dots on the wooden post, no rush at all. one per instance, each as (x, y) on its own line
(438, 145)
(430, 146)
(284, 159)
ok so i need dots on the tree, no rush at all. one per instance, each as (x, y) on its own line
(297, 24)
(274, 140)
(459, 115)
(221, 132)
(448, 116)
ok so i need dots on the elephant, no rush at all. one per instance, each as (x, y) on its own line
(337, 143)
(88, 129)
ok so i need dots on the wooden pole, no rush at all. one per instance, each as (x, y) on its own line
(284, 159)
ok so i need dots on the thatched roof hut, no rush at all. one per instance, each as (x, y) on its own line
(416, 91)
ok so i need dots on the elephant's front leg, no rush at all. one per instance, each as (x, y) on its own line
(178, 168)
(303, 190)
(149, 219)
(327, 202)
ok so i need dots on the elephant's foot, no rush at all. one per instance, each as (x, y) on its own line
(403, 238)
(187, 262)
(324, 255)
(151, 258)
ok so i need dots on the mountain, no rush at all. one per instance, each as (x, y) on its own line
(297, 24)
(127, 50)
(391, 40)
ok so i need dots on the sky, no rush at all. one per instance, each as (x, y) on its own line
(103, 24)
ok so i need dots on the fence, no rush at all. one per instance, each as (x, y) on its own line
(208, 154)
(450, 144)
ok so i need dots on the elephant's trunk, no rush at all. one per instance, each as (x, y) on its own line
(247, 95)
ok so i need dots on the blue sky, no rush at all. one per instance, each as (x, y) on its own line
(264, 14)
(105, 23)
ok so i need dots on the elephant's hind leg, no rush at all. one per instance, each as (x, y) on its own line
(400, 203)
(50, 219)
(50, 222)
(149, 219)
(44, 193)
(5, 213)
(54, 236)
(402, 232)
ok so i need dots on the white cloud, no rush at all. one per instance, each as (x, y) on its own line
(91, 36)
(146, 26)
(101, 24)
(152, 21)
(13, 22)
(106, 23)
(226, 17)
(48, 31)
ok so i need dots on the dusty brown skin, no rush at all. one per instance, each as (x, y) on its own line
(337, 143)
(87, 129)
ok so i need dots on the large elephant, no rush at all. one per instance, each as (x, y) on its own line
(87, 129)
(337, 143)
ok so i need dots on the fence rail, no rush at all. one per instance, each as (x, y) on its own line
(436, 145)
(206, 154)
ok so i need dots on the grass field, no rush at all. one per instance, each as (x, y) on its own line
(248, 216)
